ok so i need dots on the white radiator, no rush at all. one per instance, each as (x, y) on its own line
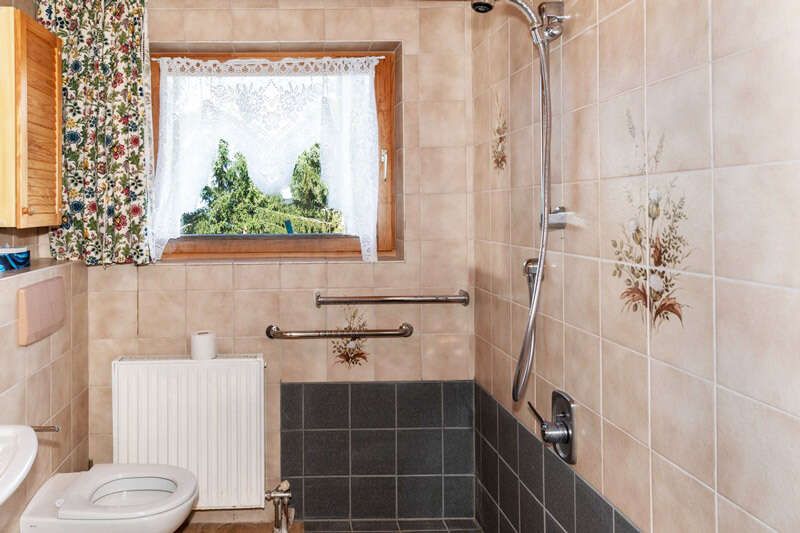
(205, 416)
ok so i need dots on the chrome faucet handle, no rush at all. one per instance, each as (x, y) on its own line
(555, 432)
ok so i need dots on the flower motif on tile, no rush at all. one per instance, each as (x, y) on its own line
(653, 235)
(499, 156)
(351, 351)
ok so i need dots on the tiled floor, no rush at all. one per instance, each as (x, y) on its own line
(337, 526)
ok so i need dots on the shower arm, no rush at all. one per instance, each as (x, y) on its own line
(541, 34)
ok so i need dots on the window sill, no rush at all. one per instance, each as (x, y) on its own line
(227, 247)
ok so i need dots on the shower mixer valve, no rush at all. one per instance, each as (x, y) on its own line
(560, 431)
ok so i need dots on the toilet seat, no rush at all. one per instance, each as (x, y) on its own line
(98, 493)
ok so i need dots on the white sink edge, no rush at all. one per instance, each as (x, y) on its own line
(21, 461)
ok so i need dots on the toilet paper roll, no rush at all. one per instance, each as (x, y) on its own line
(204, 345)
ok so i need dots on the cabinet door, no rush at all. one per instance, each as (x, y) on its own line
(38, 63)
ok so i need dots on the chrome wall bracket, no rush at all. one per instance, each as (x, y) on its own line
(557, 219)
(560, 431)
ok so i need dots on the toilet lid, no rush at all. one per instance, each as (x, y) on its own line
(167, 487)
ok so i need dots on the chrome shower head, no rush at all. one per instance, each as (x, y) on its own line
(483, 6)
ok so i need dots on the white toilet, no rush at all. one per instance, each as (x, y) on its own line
(113, 497)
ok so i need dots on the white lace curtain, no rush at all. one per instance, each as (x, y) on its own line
(270, 111)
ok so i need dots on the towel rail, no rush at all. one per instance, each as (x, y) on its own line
(405, 330)
(461, 298)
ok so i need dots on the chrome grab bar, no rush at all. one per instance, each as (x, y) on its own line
(405, 330)
(461, 298)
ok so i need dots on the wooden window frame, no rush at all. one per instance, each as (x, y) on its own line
(204, 247)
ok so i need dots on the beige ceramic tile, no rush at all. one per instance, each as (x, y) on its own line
(297, 311)
(757, 341)
(626, 475)
(399, 360)
(209, 277)
(582, 307)
(621, 207)
(501, 324)
(582, 14)
(114, 278)
(763, 484)
(522, 100)
(549, 362)
(162, 313)
(443, 263)
(442, 124)
(680, 503)
(37, 397)
(102, 353)
(622, 135)
(255, 276)
(442, 77)
(301, 24)
(112, 315)
(682, 412)
(162, 278)
(499, 54)
(622, 50)
(625, 390)
(580, 71)
(588, 443)
(442, 30)
(255, 24)
(303, 275)
(679, 122)
(211, 311)
(756, 218)
(348, 24)
(443, 170)
(583, 364)
(208, 25)
(444, 216)
(782, 17)
(736, 520)
(447, 357)
(580, 144)
(667, 55)
(253, 311)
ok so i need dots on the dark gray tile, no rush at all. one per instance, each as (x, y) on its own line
(326, 526)
(476, 399)
(508, 493)
(504, 526)
(419, 405)
(291, 406)
(559, 488)
(421, 525)
(551, 526)
(592, 513)
(531, 513)
(458, 403)
(375, 525)
(292, 453)
(326, 497)
(462, 524)
(622, 525)
(297, 496)
(487, 512)
(458, 454)
(419, 451)
(326, 453)
(507, 437)
(419, 497)
(326, 405)
(477, 445)
(489, 467)
(488, 407)
(373, 497)
(531, 469)
(372, 451)
(459, 496)
(372, 405)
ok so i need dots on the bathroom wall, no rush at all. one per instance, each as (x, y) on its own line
(151, 310)
(46, 383)
(669, 303)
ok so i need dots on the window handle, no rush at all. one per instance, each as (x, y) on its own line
(385, 163)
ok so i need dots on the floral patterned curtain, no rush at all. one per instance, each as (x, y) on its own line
(106, 153)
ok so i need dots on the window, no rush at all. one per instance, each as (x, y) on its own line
(262, 194)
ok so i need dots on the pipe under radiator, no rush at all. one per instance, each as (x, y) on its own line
(205, 416)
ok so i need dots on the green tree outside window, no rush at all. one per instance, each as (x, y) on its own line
(233, 205)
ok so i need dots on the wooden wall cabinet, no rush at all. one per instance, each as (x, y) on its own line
(30, 122)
